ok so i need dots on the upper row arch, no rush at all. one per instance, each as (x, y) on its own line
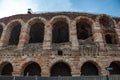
(55, 19)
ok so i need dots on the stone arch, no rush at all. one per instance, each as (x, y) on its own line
(112, 39)
(115, 65)
(60, 68)
(60, 29)
(89, 20)
(60, 17)
(108, 26)
(6, 68)
(109, 38)
(108, 17)
(60, 60)
(36, 29)
(35, 19)
(92, 64)
(26, 69)
(84, 24)
(13, 31)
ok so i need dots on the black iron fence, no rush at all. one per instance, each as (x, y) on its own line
(111, 77)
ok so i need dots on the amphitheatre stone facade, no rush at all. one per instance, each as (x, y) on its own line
(59, 44)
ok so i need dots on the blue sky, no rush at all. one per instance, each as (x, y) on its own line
(12, 7)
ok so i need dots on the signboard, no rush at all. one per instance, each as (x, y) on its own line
(109, 68)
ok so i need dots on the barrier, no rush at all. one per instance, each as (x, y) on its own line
(110, 77)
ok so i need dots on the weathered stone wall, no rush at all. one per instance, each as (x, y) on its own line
(75, 54)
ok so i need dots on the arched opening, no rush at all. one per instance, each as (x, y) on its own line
(15, 33)
(60, 32)
(89, 69)
(37, 33)
(7, 69)
(108, 39)
(111, 38)
(116, 68)
(105, 22)
(1, 30)
(84, 30)
(60, 69)
(32, 70)
(108, 25)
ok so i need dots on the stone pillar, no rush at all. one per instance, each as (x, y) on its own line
(5, 37)
(75, 69)
(104, 72)
(118, 34)
(16, 73)
(47, 36)
(16, 69)
(73, 36)
(24, 37)
(97, 35)
(75, 73)
(45, 72)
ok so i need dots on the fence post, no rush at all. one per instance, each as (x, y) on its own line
(14, 78)
(59, 77)
(35, 77)
(107, 77)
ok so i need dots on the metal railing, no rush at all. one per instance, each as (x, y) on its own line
(110, 77)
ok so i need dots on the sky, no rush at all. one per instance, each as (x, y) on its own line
(13, 7)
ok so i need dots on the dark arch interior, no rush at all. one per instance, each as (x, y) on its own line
(60, 32)
(110, 39)
(60, 69)
(116, 68)
(32, 70)
(1, 30)
(15, 32)
(37, 33)
(83, 30)
(7, 70)
(89, 69)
